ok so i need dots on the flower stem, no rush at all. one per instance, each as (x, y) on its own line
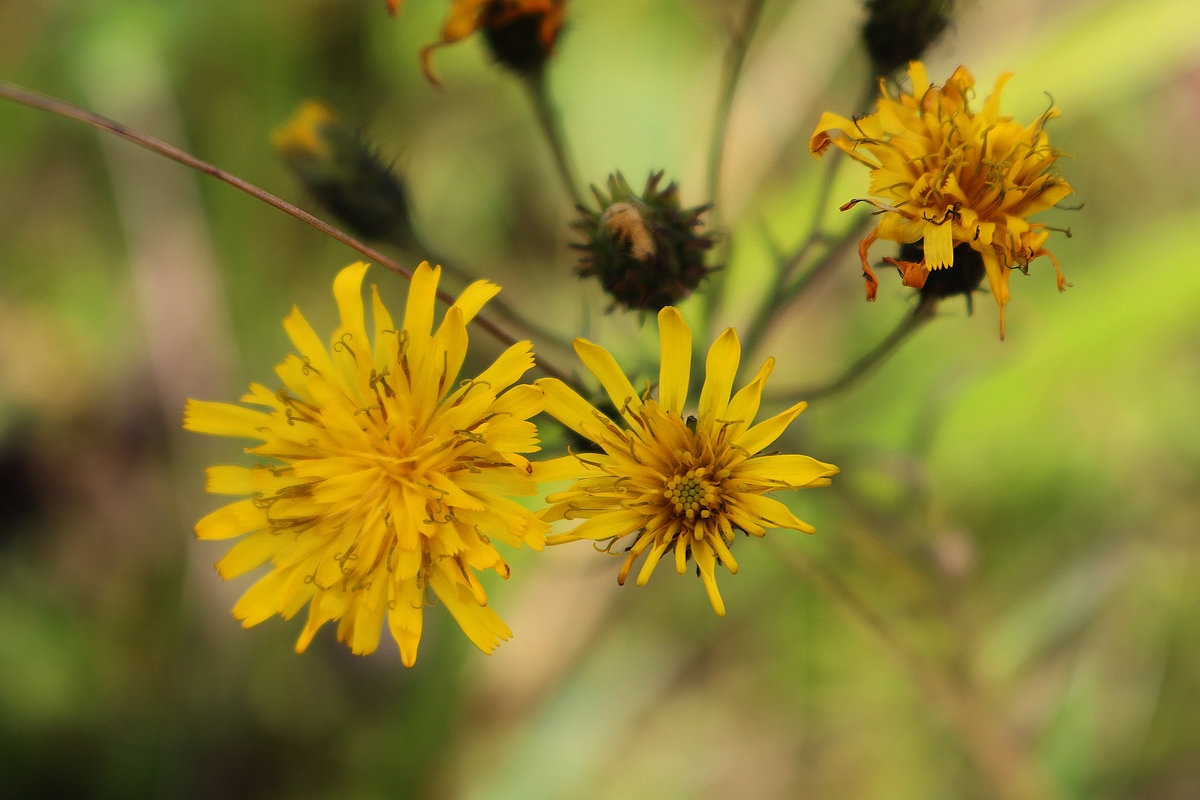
(735, 57)
(780, 294)
(551, 125)
(920, 315)
(62, 108)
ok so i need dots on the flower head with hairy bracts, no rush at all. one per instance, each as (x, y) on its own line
(669, 482)
(946, 175)
(378, 477)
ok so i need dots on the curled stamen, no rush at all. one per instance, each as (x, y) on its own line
(343, 344)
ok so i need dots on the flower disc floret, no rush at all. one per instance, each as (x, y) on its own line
(665, 483)
(945, 175)
(379, 478)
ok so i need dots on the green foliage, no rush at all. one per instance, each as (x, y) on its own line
(1020, 517)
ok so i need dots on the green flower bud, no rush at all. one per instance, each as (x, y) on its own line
(647, 251)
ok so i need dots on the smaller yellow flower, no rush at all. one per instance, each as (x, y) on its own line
(521, 34)
(669, 482)
(944, 175)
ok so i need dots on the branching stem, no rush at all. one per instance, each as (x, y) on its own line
(64, 109)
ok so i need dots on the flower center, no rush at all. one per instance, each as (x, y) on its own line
(692, 494)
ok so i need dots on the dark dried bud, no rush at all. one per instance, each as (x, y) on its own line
(899, 31)
(647, 251)
(964, 278)
(343, 174)
(521, 34)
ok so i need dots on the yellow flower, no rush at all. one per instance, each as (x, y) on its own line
(943, 174)
(521, 34)
(669, 482)
(379, 477)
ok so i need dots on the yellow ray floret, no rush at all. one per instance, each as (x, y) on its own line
(664, 483)
(380, 476)
(947, 175)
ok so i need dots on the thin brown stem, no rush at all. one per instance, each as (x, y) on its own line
(781, 295)
(912, 323)
(64, 109)
(551, 125)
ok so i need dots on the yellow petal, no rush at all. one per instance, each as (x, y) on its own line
(565, 405)
(939, 245)
(559, 469)
(347, 291)
(249, 553)
(405, 618)
(480, 623)
(771, 513)
(744, 405)
(601, 363)
(232, 520)
(769, 430)
(229, 480)
(652, 558)
(706, 562)
(449, 350)
(308, 344)
(520, 402)
(225, 419)
(474, 297)
(991, 109)
(675, 345)
(418, 313)
(794, 470)
(720, 369)
(918, 77)
(386, 337)
(609, 524)
(508, 368)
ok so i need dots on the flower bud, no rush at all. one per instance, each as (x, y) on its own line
(345, 176)
(520, 34)
(964, 277)
(899, 31)
(647, 251)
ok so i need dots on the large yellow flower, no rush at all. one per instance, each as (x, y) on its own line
(378, 477)
(946, 175)
(665, 481)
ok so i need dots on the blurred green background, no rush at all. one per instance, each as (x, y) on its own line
(1001, 600)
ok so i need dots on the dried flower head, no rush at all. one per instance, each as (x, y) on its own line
(647, 251)
(520, 34)
(946, 175)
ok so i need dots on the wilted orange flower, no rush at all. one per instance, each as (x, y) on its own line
(945, 175)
